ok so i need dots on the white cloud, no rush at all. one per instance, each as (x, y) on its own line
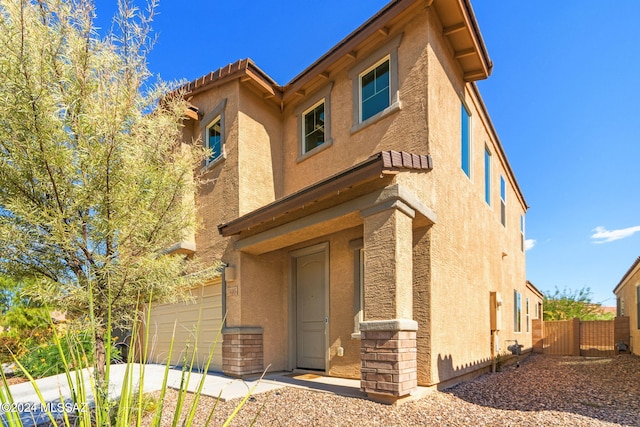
(529, 244)
(602, 235)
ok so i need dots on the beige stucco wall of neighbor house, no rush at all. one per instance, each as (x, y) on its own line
(626, 294)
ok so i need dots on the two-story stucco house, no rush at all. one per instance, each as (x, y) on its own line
(368, 217)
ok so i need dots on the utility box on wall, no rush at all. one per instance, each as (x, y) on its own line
(495, 311)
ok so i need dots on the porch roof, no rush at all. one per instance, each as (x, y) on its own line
(384, 163)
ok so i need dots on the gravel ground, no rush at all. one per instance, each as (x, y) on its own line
(543, 391)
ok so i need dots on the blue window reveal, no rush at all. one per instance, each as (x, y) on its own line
(503, 201)
(374, 91)
(466, 142)
(487, 176)
(214, 140)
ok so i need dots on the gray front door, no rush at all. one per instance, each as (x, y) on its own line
(311, 311)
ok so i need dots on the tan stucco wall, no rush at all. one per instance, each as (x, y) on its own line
(628, 292)
(456, 263)
(404, 130)
(472, 253)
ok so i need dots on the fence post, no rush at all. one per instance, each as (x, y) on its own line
(536, 335)
(575, 337)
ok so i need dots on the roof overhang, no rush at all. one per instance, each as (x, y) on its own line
(461, 29)
(380, 165)
(634, 268)
(535, 290)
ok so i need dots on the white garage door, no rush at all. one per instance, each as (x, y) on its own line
(207, 306)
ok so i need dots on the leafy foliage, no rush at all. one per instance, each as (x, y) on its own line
(95, 180)
(569, 304)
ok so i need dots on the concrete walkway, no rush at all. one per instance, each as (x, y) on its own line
(56, 388)
(216, 385)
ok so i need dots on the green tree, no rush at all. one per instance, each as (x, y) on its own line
(569, 304)
(95, 180)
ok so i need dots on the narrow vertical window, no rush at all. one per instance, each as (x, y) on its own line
(375, 93)
(526, 311)
(638, 305)
(358, 286)
(517, 311)
(214, 140)
(466, 141)
(487, 176)
(313, 127)
(522, 234)
(503, 201)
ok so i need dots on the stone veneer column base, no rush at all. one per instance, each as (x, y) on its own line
(388, 356)
(242, 352)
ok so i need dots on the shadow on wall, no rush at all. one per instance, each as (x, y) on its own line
(450, 375)
(604, 389)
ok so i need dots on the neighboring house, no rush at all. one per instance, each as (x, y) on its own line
(628, 302)
(370, 222)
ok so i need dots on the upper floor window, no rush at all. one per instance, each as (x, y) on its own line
(487, 176)
(466, 141)
(503, 201)
(522, 234)
(375, 85)
(212, 128)
(314, 123)
(374, 90)
(313, 127)
(213, 140)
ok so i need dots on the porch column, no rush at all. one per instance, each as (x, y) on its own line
(388, 333)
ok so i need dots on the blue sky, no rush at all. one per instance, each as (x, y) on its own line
(561, 97)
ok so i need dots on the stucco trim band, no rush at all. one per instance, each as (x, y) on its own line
(273, 238)
(243, 330)
(389, 325)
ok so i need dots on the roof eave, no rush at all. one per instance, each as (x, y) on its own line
(627, 274)
(382, 163)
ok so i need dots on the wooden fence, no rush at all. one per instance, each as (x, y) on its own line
(580, 338)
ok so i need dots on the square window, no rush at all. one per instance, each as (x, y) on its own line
(214, 139)
(375, 92)
(375, 85)
(314, 128)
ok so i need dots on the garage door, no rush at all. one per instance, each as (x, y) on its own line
(206, 305)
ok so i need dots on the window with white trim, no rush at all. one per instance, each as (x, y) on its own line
(212, 131)
(375, 85)
(526, 311)
(375, 89)
(358, 285)
(522, 232)
(517, 311)
(213, 139)
(313, 129)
